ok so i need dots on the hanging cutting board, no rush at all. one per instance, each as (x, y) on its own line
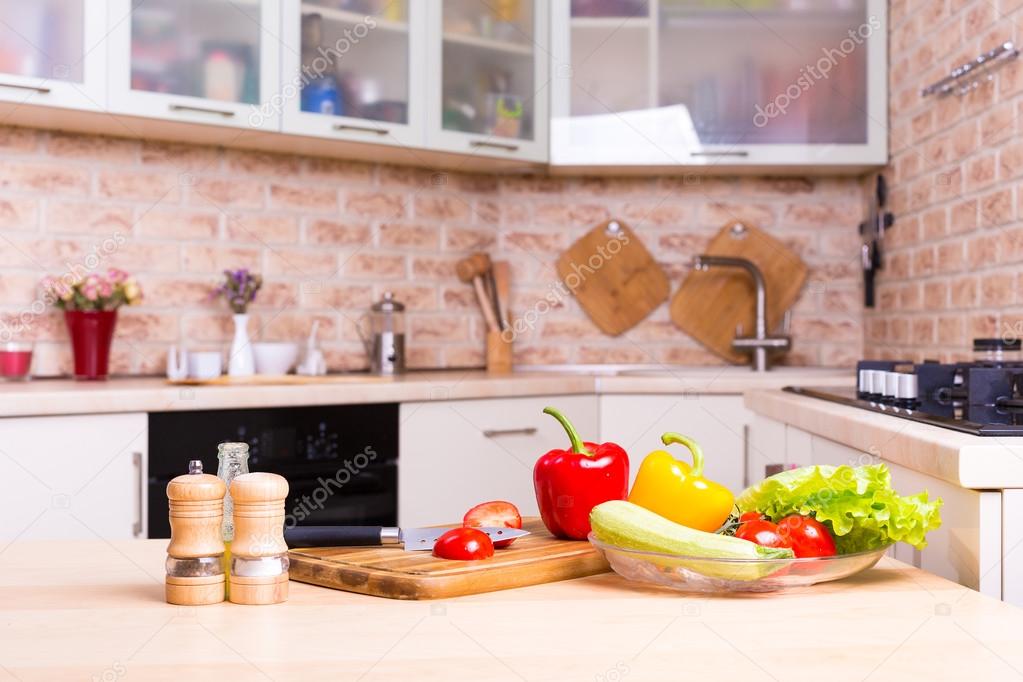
(396, 574)
(614, 277)
(711, 303)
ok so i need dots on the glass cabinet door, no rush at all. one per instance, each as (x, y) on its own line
(52, 52)
(207, 61)
(353, 69)
(490, 91)
(690, 82)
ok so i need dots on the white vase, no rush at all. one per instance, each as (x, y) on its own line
(241, 362)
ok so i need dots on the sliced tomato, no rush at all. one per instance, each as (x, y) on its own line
(464, 544)
(496, 514)
(807, 536)
(761, 532)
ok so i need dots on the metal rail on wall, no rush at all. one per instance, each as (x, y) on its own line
(974, 71)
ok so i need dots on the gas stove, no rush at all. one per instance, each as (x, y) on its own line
(983, 398)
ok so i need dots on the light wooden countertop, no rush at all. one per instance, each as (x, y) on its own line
(979, 462)
(95, 610)
(152, 394)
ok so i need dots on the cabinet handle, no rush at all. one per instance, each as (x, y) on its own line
(494, 145)
(360, 129)
(226, 113)
(738, 152)
(745, 456)
(136, 460)
(36, 88)
(525, 431)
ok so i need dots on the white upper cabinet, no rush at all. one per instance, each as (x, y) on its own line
(52, 53)
(761, 83)
(488, 88)
(354, 70)
(198, 61)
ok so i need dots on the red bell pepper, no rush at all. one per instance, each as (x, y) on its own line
(570, 483)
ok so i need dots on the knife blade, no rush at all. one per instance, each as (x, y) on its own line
(413, 539)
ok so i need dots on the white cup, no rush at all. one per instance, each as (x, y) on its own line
(204, 364)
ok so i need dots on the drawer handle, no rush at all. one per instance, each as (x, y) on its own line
(360, 129)
(226, 113)
(136, 460)
(495, 433)
(17, 86)
(739, 152)
(494, 145)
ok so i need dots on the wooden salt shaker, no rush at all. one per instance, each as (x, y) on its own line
(259, 555)
(195, 570)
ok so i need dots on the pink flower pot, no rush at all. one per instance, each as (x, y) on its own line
(91, 333)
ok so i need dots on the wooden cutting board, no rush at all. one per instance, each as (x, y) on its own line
(614, 277)
(396, 574)
(710, 304)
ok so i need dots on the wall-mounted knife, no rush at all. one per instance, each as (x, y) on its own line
(413, 539)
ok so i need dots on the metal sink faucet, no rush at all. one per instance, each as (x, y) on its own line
(760, 342)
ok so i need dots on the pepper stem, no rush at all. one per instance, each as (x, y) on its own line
(694, 447)
(573, 435)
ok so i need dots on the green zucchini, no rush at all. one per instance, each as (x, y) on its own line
(623, 524)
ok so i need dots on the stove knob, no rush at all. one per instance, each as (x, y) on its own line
(906, 389)
(891, 382)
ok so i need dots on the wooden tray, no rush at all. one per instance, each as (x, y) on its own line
(710, 304)
(619, 291)
(281, 380)
(396, 574)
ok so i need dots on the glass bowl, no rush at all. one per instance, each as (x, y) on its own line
(700, 574)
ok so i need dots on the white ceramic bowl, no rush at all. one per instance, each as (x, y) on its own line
(275, 358)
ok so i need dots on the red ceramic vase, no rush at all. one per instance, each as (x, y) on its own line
(91, 332)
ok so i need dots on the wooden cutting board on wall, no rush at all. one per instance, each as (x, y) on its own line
(396, 574)
(614, 277)
(710, 303)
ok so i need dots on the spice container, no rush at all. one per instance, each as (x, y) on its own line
(233, 461)
(997, 350)
(259, 555)
(195, 570)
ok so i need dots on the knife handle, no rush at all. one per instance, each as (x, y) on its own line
(333, 536)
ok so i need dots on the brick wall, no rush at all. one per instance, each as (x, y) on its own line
(331, 236)
(952, 271)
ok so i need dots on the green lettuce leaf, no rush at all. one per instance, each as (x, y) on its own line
(858, 504)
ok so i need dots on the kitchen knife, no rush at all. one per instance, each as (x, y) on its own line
(354, 536)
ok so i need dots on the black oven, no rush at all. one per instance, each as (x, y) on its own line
(341, 461)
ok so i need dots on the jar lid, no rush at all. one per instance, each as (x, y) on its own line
(388, 304)
(997, 344)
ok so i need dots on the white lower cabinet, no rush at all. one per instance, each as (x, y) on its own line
(73, 477)
(717, 422)
(457, 453)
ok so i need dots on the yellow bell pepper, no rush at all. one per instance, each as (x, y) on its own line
(679, 492)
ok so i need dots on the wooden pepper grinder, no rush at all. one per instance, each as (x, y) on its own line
(259, 555)
(195, 570)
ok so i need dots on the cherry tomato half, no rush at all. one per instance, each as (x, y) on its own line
(761, 532)
(807, 536)
(463, 544)
(496, 514)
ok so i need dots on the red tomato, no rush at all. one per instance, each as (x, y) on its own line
(463, 544)
(761, 532)
(496, 514)
(807, 536)
(750, 516)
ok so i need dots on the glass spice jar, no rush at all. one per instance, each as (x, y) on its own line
(233, 462)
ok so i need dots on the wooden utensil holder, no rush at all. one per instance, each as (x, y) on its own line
(499, 352)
